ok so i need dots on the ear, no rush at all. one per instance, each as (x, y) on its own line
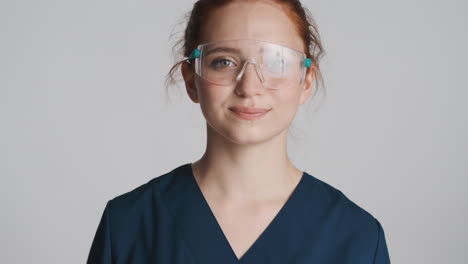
(189, 78)
(308, 84)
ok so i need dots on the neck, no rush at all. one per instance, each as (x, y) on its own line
(246, 172)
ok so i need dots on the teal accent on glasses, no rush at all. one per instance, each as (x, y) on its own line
(307, 62)
(195, 54)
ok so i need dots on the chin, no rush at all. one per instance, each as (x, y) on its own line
(240, 134)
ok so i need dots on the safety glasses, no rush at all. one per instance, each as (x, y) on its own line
(225, 62)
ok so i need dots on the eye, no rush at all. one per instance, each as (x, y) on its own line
(221, 63)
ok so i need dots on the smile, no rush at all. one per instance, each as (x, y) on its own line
(249, 116)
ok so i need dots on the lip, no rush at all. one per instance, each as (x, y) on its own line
(249, 113)
(248, 110)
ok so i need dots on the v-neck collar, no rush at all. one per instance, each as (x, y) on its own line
(205, 238)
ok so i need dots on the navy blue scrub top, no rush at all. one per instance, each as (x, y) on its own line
(168, 221)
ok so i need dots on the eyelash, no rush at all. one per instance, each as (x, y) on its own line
(216, 62)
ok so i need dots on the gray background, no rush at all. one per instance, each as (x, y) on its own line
(84, 117)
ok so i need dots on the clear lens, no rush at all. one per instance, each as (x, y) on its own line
(276, 65)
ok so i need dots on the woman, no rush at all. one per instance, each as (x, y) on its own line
(250, 64)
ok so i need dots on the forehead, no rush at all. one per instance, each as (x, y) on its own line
(248, 47)
(251, 20)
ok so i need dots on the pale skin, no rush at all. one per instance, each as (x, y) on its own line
(245, 173)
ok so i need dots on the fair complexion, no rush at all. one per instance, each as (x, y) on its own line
(245, 173)
(247, 160)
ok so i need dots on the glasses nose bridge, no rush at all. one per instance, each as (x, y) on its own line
(257, 69)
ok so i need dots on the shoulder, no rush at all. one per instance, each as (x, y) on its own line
(334, 197)
(141, 199)
(129, 216)
(345, 217)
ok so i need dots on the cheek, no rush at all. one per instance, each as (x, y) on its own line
(212, 98)
(287, 101)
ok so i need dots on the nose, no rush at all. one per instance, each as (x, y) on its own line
(246, 81)
(254, 63)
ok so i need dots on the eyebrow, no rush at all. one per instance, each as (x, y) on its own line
(225, 49)
(222, 49)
